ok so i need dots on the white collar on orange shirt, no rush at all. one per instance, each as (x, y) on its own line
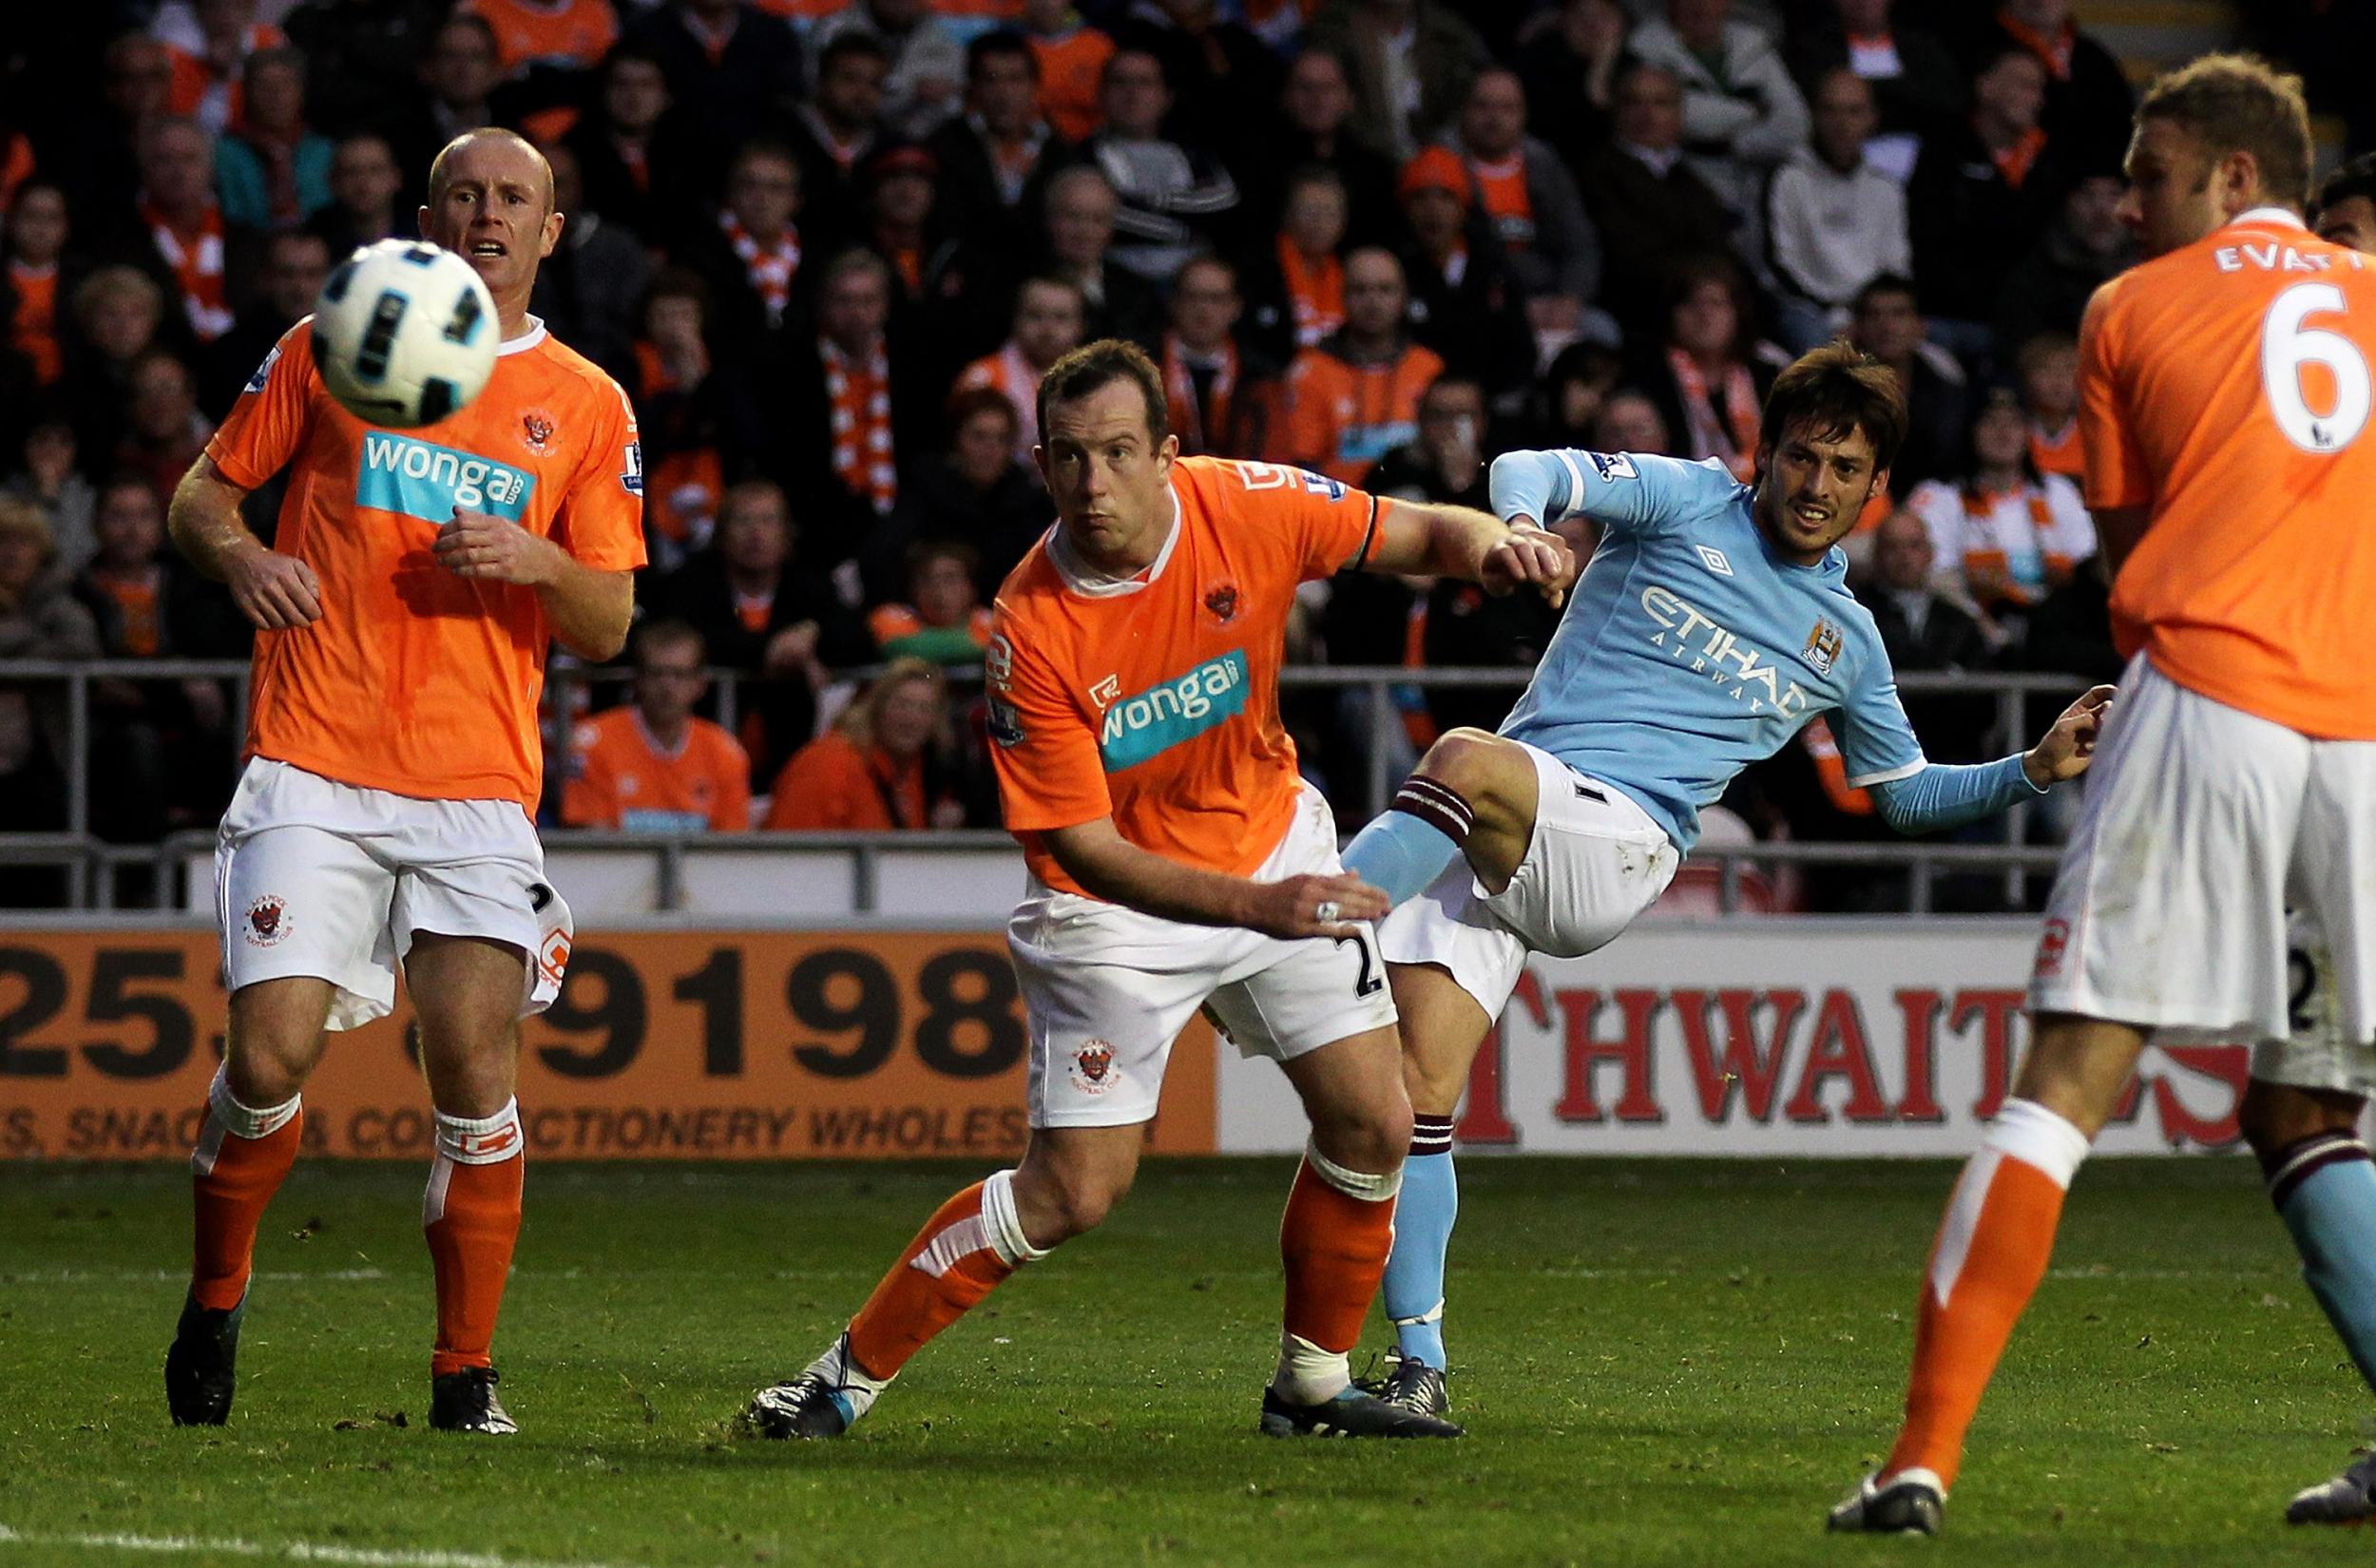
(525, 341)
(1089, 583)
(2272, 217)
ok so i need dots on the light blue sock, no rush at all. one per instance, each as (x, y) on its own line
(1423, 1233)
(1409, 844)
(2325, 1190)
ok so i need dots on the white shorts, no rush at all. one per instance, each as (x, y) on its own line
(2201, 823)
(1596, 861)
(314, 877)
(1107, 990)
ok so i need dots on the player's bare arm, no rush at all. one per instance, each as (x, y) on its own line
(1475, 547)
(2067, 748)
(1109, 867)
(589, 609)
(276, 592)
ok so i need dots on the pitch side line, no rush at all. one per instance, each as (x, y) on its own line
(294, 1550)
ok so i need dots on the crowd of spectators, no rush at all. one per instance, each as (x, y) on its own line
(828, 249)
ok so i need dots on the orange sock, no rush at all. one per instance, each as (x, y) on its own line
(971, 1243)
(1992, 1251)
(242, 1156)
(1334, 1238)
(471, 1214)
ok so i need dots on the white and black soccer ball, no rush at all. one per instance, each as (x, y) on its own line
(404, 333)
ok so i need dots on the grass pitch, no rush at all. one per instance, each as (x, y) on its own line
(1660, 1361)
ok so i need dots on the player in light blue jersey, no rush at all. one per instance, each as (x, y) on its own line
(1713, 623)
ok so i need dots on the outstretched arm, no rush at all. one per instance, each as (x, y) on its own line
(1460, 542)
(1937, 797)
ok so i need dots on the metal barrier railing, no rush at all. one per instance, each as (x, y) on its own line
(89, 862)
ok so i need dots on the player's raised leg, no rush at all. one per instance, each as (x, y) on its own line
(1472, 795)
(255, 1119)
(467, 991)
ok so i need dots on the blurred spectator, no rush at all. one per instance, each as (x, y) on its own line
(1630, 422)
(1072, 59)
(1980, 196)
(1409, 63)
(39, 278)
(2088, 102)
(118, 314)
(1174, 199)
(160, 753)
(880, 768)
(48, 480)
(2005, 534)
(1216, 69)
(274, 169)
(211, 43)
(1355, 396)
(1082, 215)
(1922, 628)
(295, 264)
(1918, 88)
(731, 67)
(2048, 365)
(928, 63)
(1742, 114)
(1315, 106)
(1464, 303)
(1221, 399)
(459, 75)
(835, 130)
(1572, 393)
(163, 430)
(677, 413)
(651, 765)
(1710, 376)
(32, 800)
(556, 35)
(1048, 326)
(589, 289)
(760, 613)
(753, 262)
(2070, 630)
(852, 398)
(901, 222)
(1833, 221)
(973, 493)
(942, 619)
(2048, 289)
(94, 158)
(1568, 57)
(370, 49)
(1549, 244)
(993, 153)
(1650, 208)
(37, 621)
(1296, 285)
(177, 232)
(632, 158)
(1885, 323)
(366, 185)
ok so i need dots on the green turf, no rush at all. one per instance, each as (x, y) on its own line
(1660, 1361)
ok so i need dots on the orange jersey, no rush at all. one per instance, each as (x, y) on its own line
(620, 777)
(416, 681)
(1156, 702)
(1071, 66)
(569, 34)
(2058, 451)
(835, 784)
(2226, 388)
(1342, 418)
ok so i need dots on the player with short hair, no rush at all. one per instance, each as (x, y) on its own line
(1713, 624)
(2225, 394)
(1177, 862)
(414, 584)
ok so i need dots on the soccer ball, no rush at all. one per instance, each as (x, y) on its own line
(404, 333)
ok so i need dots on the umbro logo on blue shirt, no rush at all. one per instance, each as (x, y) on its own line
(1713, 560)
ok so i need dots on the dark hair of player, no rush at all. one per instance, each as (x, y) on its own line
(1828, 391)
(1094, 366)
(2239, 103)
(2355, 178)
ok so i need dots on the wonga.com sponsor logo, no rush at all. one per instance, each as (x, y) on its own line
(1179, 709)
(423, 480)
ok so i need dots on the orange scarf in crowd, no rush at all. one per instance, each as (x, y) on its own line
(2015, 162)
(860, 397)
(35, 329)
(770, 268)
(196, 257)
(1314, 291)
(1179, 390)
(1731, 434)
(2054, 53)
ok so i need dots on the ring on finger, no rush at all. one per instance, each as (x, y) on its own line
(1328, 912)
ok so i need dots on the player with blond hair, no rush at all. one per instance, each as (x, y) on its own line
(2225, 398)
